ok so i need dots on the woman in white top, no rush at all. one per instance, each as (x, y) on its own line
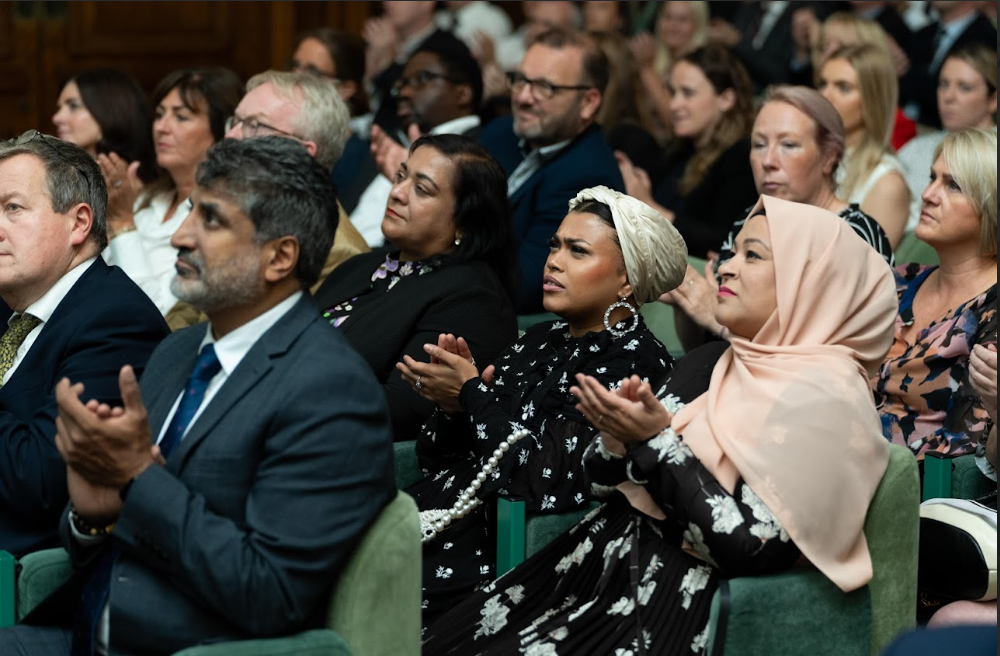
(191, 108)
(860, 82)
(967, 98)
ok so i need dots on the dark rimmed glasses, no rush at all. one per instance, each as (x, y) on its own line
(540, 89)
(251, 127)
(418, 81)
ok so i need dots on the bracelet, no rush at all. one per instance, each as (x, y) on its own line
(122, 231)
(86, 528)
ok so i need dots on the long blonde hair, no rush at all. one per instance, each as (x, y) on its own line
(971, 156)
(879, 90)
(663, 60)
(865, 31)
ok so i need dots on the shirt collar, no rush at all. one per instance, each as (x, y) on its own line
(45, 306)
(544, 152)
(233, 347)
(459, 125)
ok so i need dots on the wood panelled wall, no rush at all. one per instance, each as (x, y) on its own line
(44, 43)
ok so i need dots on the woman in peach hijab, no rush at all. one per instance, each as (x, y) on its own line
(754, 453)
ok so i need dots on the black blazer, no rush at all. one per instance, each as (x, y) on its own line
(466, 300)
(102, 324)
(919, 85)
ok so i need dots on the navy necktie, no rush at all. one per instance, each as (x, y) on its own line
(95, 592)
(205, 369)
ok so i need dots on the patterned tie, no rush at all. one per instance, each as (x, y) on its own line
(205, 369)
(12, 340)
(98, 586)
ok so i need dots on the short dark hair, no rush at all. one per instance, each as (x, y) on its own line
(118, 104)
(458, 64)
(482, 212)
(219, 88)
(348, 54)
(283, 190)
(71, 175)
(595, 62)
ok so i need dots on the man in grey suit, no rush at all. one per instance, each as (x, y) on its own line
(272, 445)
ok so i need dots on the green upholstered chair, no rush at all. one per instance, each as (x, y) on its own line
(659, 318)
(911, 249)
(381, 580)
(407, 466)
(520, 536)
(956, 478)
(800, 612)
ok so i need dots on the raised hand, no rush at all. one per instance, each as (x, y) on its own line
(633, 414)
(441, 379)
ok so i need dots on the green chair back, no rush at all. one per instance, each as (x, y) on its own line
(911, 249)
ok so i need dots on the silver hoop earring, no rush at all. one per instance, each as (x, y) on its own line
(611, 308)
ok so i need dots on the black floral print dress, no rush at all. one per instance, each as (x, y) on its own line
(621, 583)
(530, 390)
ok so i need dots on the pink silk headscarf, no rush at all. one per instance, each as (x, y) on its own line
(791, 411)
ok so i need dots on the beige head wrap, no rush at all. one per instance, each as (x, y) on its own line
(655, 253)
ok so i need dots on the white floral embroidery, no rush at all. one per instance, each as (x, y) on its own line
(672, 404)
(700, 641)
(541, 649)
(576, 557)
(563, 382)
(546, 472)
(548, 502)
(602, 370)
(694, 581)
(594, 348)
(725, 513)
(768, 526)
(517, 348)
(581, 610)
(515, 594)
(623, 607)
(444, 572)
(578, 498)
(494, 617)
(448, 545)
(529, 411)
(448, 483)
(631, 346)
(671, 448)
(571, 444)
(559, 634)
(522, 456)
(481, 431)
(696, 539)
(645, 592)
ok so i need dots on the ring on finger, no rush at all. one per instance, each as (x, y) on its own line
(416, 383)
(116, 184)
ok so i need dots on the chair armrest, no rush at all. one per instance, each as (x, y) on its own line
(521, 536)
(7, 589)
(956, 478)
(407, 465)
(319, 642)
(799, 612)
(41, 574)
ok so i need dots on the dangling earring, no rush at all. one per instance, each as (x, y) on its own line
(611, 308)
(458, 241)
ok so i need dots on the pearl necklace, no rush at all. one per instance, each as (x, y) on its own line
(435, 521)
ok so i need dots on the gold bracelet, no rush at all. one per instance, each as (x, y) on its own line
(122, 231)
(86, 528)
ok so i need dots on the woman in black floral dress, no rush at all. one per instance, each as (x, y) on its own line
(763, 450)
(610, 255)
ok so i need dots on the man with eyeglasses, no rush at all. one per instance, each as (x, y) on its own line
(307, 109)
(64, 313)
(438, 93)
(550, 146)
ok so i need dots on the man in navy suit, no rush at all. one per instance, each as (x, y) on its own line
(550, 146)
(272, 443)
(66, 313)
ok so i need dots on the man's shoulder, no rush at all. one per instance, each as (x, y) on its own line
(106, 293)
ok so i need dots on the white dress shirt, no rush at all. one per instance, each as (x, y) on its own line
(43, 309)
(145, 254)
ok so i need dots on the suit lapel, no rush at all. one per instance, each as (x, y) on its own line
(251, 371)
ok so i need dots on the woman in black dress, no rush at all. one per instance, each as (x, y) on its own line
(762, 450)
(447, 268)
(610, 255)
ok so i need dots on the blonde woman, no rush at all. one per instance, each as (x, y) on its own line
(860, 83)
(681, 27)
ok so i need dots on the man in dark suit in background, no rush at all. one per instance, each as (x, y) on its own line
(274, 433)
(550, 146)
(66, 313)
(959, 24)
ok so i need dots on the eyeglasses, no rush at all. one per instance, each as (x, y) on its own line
(541, 89)
(418, 81)
(31, 135)
(251, 127)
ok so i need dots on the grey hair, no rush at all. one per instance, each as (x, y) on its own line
(283, 190)
(323, 116)
(72, 177)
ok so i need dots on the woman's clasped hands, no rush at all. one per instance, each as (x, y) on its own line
(632, 414)
(440, 380)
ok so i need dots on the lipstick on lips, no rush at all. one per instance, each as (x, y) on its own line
(725, 291)
(550, 284)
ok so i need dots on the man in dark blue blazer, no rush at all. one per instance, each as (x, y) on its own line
(550, 146)
(272, 445)
(68, 313)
